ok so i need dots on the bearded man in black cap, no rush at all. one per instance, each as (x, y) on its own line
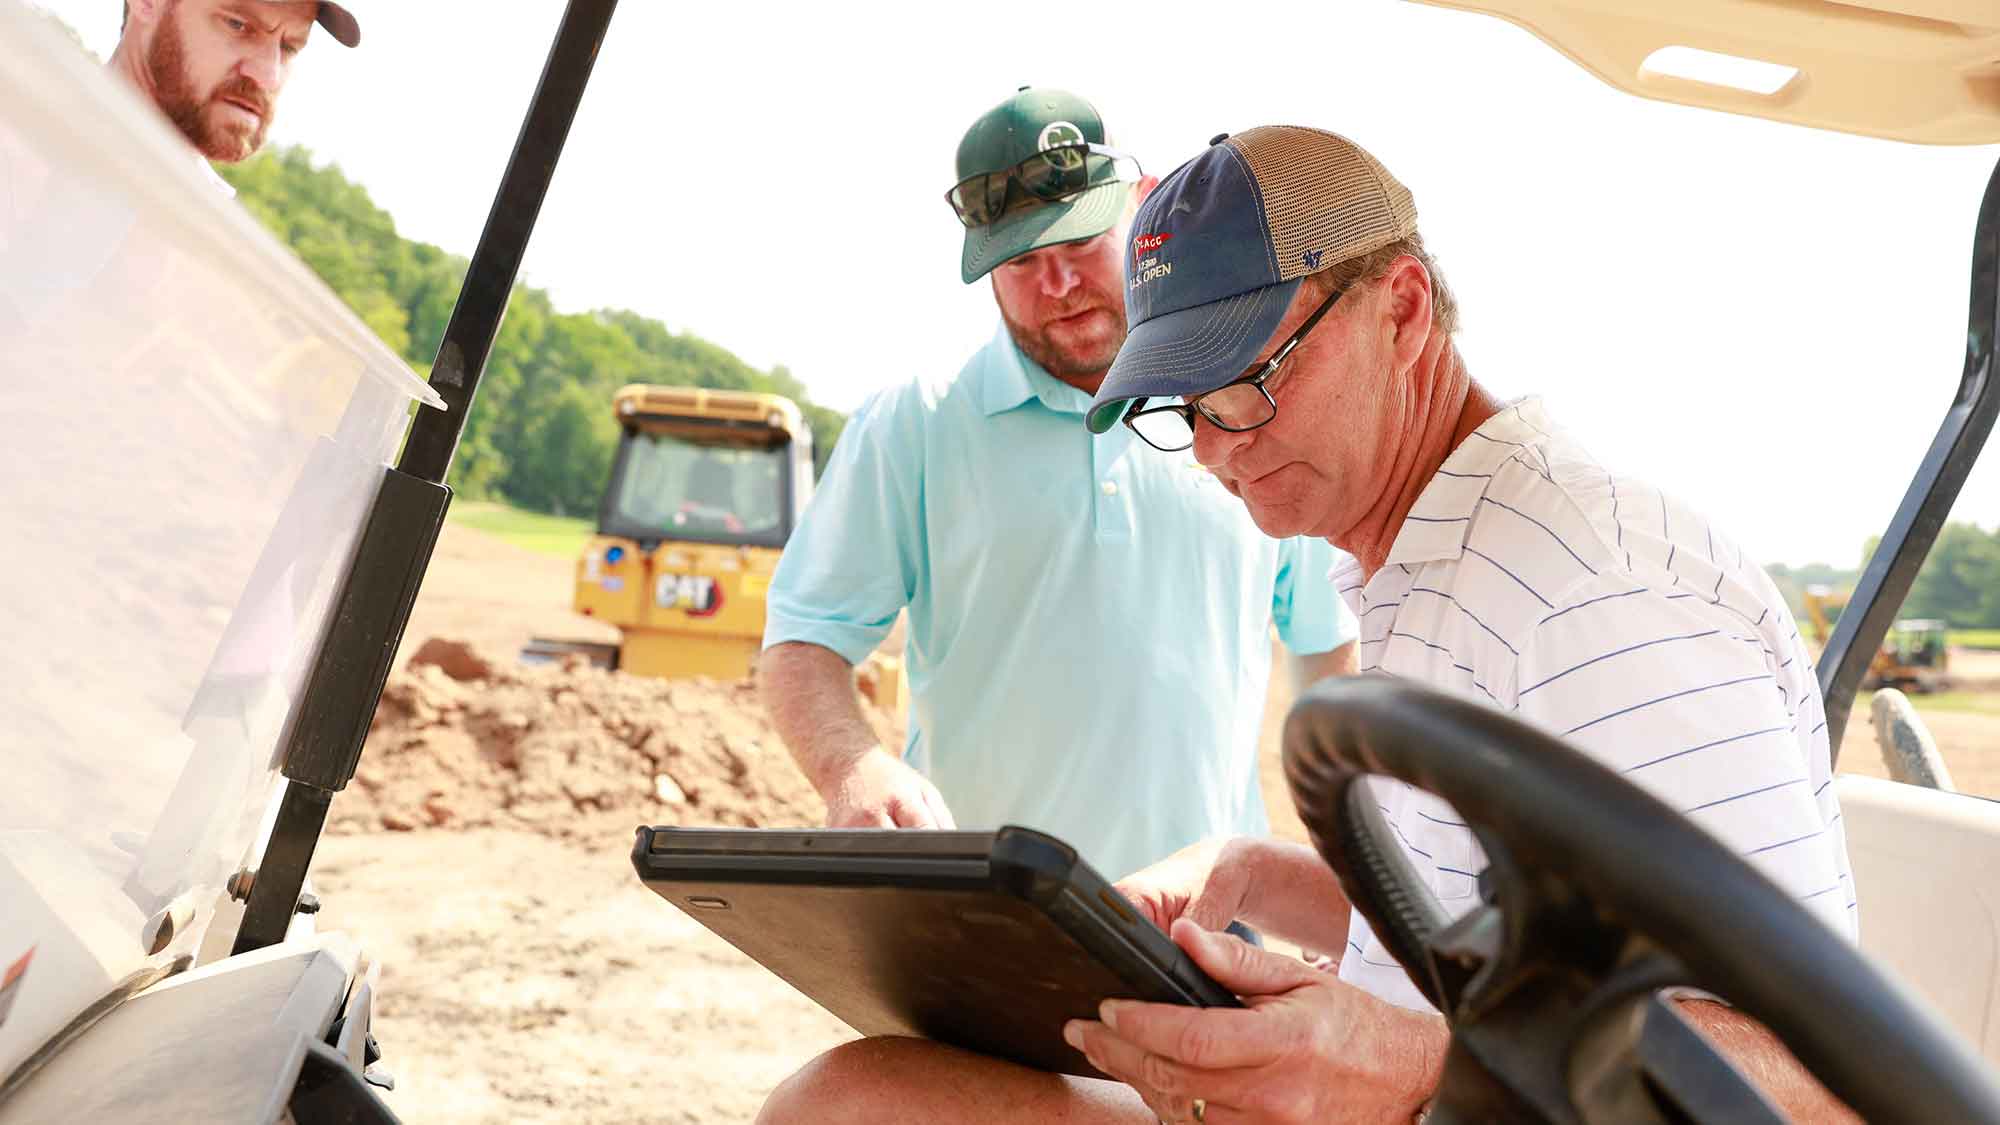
(216, 67)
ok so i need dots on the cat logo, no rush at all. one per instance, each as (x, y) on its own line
(698, 594)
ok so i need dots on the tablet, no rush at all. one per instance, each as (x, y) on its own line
(988, 941)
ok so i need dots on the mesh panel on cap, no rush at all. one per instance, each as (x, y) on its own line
(1324, 194)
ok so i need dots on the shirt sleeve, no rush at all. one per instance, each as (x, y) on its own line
(853, 561)
(1684, 699)
(1309, 613)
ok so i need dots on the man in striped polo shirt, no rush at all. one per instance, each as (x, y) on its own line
(1289, 326)
(1492, 555)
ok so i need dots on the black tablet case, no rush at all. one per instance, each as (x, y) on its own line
(988, 941)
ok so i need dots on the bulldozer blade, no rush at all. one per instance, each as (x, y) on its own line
(544, 650)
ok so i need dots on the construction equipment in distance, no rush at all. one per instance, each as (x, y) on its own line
(704, 491)
(1914, 656)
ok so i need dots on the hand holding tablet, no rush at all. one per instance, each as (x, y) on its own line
(990, 941)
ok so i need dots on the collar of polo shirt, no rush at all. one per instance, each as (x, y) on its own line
(1438, 522)
(1015, 383)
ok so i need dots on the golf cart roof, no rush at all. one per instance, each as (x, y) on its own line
(1908, 70)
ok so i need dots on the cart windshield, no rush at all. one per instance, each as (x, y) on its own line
(191, 431)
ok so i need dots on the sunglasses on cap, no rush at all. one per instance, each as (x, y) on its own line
(1047, 176)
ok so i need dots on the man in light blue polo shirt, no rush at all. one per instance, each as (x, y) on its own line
(1034, 558)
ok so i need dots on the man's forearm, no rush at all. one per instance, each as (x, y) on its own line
(809, 693)
(1317, 666)
(1293, 895)
(1765, 1061)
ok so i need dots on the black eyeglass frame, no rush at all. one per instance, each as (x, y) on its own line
(1014, 177)
(1262, 379)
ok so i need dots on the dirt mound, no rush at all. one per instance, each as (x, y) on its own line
(457, 659)
(466, 739)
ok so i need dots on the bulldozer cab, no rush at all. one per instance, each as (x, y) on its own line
(706, 466)
(1914, 653)
(1919, 642)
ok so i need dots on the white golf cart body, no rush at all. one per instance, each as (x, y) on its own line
(193, 429)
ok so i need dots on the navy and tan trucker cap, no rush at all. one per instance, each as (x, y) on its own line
(1219, 248)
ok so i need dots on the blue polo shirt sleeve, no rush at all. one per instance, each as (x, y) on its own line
(1309, 613)
(853, 561)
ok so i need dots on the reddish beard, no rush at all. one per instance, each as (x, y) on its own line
(166, 60)
(1069, 361)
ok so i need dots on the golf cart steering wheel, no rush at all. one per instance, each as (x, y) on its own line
(1597, 896)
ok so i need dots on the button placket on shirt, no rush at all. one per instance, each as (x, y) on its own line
(1111, 507)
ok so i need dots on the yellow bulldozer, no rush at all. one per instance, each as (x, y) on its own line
(1914, 656)
(705, 488)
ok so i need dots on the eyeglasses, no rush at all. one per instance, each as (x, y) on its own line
(1241, 404)
(1049, 175)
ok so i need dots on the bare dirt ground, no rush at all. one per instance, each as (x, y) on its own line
(532, 979)
(482, 856)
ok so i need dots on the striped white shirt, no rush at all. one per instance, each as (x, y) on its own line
(1598, 608)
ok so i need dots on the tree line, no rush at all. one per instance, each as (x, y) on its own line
(1959, 583)
(541, 434)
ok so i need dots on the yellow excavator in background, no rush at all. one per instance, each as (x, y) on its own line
(1914, 656)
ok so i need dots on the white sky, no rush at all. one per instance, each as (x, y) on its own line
(1767, 320)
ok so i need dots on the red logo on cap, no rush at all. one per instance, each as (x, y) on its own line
(1147, 243)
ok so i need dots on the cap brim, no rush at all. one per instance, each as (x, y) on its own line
(1031, 228)
(1190, 351)
(341, 24)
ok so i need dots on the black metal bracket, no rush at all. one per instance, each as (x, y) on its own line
(489, 281)
(354, 662)
(374, 603)
(1886, 580)
(331, 1092)
(340, 697)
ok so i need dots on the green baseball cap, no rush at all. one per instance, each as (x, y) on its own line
(1015, 130)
